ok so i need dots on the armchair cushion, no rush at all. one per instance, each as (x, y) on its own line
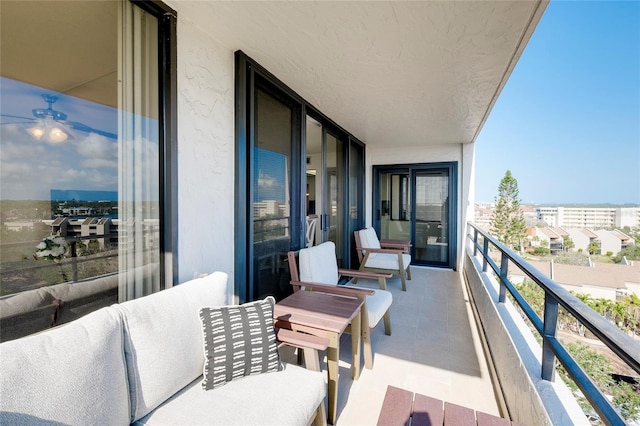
(238, 341)
(377, 305)
(318, 264)
(369, 238)
(387, 261)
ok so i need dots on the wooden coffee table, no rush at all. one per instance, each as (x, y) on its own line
(325, 315)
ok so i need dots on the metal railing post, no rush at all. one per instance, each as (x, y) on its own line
(74, 261)
(475, 242)
(550, 326)
(485, 254)
(504, 267)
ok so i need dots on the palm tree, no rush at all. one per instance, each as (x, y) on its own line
(620, 314)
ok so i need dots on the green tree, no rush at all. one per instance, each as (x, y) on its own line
(567, 243)
(507, 222)
(594, 247)
(631, 252)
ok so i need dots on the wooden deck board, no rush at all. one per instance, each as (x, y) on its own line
(403, 408)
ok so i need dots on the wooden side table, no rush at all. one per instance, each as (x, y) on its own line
(325, 315)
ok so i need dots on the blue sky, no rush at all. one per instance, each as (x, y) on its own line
(567, 123)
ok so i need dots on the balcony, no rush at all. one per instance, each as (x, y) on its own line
(439, 348)
(434, 349)
(415, 89)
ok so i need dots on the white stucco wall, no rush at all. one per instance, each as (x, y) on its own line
(205, 152)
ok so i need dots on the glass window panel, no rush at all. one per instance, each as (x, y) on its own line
(79, 187)
(335, 194)
(271, 195)
(432, 216)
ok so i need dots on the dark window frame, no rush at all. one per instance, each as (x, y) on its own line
(410, 169)
(168, 135)
(247, 71)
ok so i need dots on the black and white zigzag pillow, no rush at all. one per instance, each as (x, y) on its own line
(238, 341)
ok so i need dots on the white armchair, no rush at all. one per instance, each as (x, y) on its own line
(319, 272)
(383, 256)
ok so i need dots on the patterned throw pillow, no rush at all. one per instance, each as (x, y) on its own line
(238, 341)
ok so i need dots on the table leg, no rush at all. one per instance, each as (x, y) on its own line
(366, 341)
(355, 345)
(333, 351)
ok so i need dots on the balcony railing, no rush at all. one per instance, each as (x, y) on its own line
(552, 348)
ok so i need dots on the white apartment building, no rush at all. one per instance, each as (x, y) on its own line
(589, 217)
(613, 241)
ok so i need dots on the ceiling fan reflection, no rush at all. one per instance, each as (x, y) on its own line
(52, 126)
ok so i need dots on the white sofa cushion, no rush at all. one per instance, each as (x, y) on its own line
(287, 397)
(74, 374)
(163, 339)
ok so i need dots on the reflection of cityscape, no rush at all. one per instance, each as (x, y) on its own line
(109, 233)
(270, 220)
(81, 203)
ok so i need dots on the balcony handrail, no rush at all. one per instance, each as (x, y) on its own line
(620, 343)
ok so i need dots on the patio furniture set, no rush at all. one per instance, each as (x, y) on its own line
(141, 361)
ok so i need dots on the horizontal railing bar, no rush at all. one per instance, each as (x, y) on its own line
(598, 401)
(528, 310)
(621, 344)
(78, 260)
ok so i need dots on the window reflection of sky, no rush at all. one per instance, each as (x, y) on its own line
(29, 168)
(270, 175)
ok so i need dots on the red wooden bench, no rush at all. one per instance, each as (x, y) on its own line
(404, 408)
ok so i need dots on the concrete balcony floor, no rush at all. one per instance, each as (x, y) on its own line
(434, 349)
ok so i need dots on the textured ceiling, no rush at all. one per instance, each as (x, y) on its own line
(413, 72)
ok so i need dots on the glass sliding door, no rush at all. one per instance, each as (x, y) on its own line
(335, 195)
(417, 203)
(325, 189)
(87, 196)
(273, 162)
(431, 244)
(313, 168)
(395, 208)
(299, 182)
(356, 197)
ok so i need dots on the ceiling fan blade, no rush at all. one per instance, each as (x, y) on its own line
(84, 128)
(18, 117)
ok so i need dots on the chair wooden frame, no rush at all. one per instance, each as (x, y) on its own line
(397, 247)
(348, 291)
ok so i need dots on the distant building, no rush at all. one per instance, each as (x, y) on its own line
(613, 241)
(589, 217)
(605, 240)
(553, 238)
(18, 226)
(483, 213)
(109, 233)
(582, 238)
(103, 229)
(602, 280)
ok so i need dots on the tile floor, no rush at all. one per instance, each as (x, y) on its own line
(434, 349)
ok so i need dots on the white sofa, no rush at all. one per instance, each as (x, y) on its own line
(141, 362)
